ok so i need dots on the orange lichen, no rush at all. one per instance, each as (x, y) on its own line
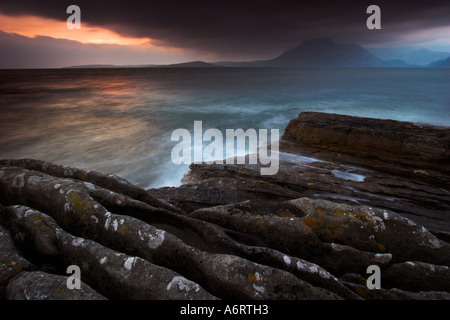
(309, 221)
(252, 278)
(261, 222)
(361, 291)
(285, 214)
(78, 202)
(36, 218)
(339, 211)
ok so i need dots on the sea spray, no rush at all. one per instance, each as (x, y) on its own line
(183, 153)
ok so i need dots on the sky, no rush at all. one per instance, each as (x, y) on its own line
(33, 34)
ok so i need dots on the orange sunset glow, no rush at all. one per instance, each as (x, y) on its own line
(32, 26)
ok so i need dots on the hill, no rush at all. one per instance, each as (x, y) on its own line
(440, 64)
(424, 56)
(192, 64)
(314, 53)
(324, 52)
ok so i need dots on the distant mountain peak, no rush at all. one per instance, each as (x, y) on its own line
(324, 52)
(316, 41)
(420, 57)
(444, 63)
(320, 43)
(192, 64)
(423, 51)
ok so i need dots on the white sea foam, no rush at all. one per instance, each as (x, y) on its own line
(348, 175)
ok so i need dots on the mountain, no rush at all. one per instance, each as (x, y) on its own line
(192, 64)
(323, 52)
(109, 66)
(440, 64)
(93, 66)
(390, 53)
(397, 63)
(235, 64)
(424, 56)
(420, 57)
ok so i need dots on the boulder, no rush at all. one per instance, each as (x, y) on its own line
(38, 285)
(11, 260)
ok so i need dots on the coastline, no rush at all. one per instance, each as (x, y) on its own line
(372, 192)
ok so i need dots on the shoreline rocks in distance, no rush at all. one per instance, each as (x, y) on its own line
(417, 151)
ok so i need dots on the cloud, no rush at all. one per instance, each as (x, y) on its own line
(32, 26)
(245, 30)
(18, 51)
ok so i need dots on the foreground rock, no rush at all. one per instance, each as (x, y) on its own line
(308, 232)
(294, 249)
(105, 268)
(80, 207)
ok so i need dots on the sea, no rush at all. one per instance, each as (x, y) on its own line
(120, 120)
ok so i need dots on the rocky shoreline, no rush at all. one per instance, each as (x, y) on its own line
(351, 192)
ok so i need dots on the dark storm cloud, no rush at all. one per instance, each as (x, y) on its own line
(17, 51)
(243, 28)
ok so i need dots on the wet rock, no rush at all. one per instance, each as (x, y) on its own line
(38, 285)
(417, 276)
(11, 261)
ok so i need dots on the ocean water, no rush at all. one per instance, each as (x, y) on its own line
(120, 121)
